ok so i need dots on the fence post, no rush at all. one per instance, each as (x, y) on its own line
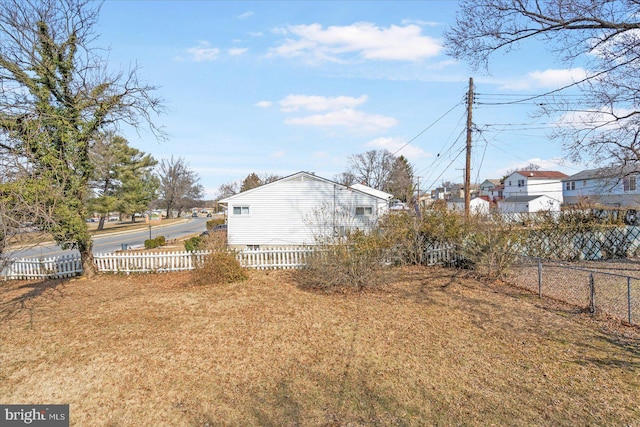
(629, 299)
(592, 295)
(539, 278)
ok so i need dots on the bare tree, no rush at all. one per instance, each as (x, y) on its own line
(605, 123)
(56, 95)
(178, 185)
(372, 168)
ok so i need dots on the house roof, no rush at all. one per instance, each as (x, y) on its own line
(602, 173)
(309, 175)
(521, 199)
(491, 181)
(542, 174)
(378, 193)
(461, 200)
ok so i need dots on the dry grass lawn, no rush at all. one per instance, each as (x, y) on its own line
(430, 348)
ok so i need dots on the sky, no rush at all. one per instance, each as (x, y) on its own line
(278, 87)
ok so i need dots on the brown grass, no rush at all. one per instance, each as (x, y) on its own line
(430, 348)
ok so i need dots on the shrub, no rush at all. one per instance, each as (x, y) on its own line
(150, 244)
(219, 268)
(193, 244)
(213, 222)
(160, 240)
(350, 264)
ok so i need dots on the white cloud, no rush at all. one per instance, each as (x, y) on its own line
(363, 39)
(395, 145)
(203, 52)
(264, 104)
(349, 118)
(547, 79)
(603, 119)
(319, 103)
(247, 14)
(237, 51)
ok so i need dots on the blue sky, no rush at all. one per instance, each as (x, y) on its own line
(279, 87)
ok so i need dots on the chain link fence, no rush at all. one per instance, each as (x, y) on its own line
(610, 288)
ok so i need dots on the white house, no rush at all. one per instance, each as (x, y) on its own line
(477, 205)
(297, 209)
(521, 186)
(616, 187)
(528, 204)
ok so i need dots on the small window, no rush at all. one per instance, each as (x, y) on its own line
(241, 210)
(521, 183)
(364, 210)
(570, 185)
(629, 183)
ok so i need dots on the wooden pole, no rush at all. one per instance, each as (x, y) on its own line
(467, 169)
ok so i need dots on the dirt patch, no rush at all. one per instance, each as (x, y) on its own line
(432, 347)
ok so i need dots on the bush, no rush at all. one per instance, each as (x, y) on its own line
(350, 264)
(150, 244)
(194, 244)
(219, 268)
(213, 222)
(154, 243)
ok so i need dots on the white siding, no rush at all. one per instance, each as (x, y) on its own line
(293, 210)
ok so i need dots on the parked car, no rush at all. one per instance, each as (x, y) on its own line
(194, 215)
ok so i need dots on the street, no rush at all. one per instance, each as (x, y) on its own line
(114, 241)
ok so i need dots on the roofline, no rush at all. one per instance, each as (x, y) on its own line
(227, 199)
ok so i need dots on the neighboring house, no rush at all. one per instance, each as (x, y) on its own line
(488, 185)
(496, 193)
(615, 187)
(477, 205)
(299, 208)
(521, 186)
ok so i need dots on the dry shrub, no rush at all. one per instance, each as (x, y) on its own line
(219, 267)
(352, 263)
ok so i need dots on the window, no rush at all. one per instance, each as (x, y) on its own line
(241, 210)
(521, 183)
(364, 210)
(629, 183)
(570, 185)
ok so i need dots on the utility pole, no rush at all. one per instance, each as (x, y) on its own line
(467, 169)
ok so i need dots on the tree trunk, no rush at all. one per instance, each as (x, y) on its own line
(86, 256)
(101, 223)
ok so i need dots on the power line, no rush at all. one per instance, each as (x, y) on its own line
(426, 129)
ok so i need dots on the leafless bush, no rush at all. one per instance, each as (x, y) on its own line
(219, 267)
(352, 263)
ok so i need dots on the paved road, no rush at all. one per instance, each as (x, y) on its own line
(111, 242)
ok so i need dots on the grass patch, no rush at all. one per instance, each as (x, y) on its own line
(430, 348)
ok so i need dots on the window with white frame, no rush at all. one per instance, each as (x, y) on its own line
(570, 185)
(521, 183)
(364, 210)
(241, 210)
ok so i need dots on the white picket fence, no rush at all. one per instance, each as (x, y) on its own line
(155, 262)
(149, 262)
